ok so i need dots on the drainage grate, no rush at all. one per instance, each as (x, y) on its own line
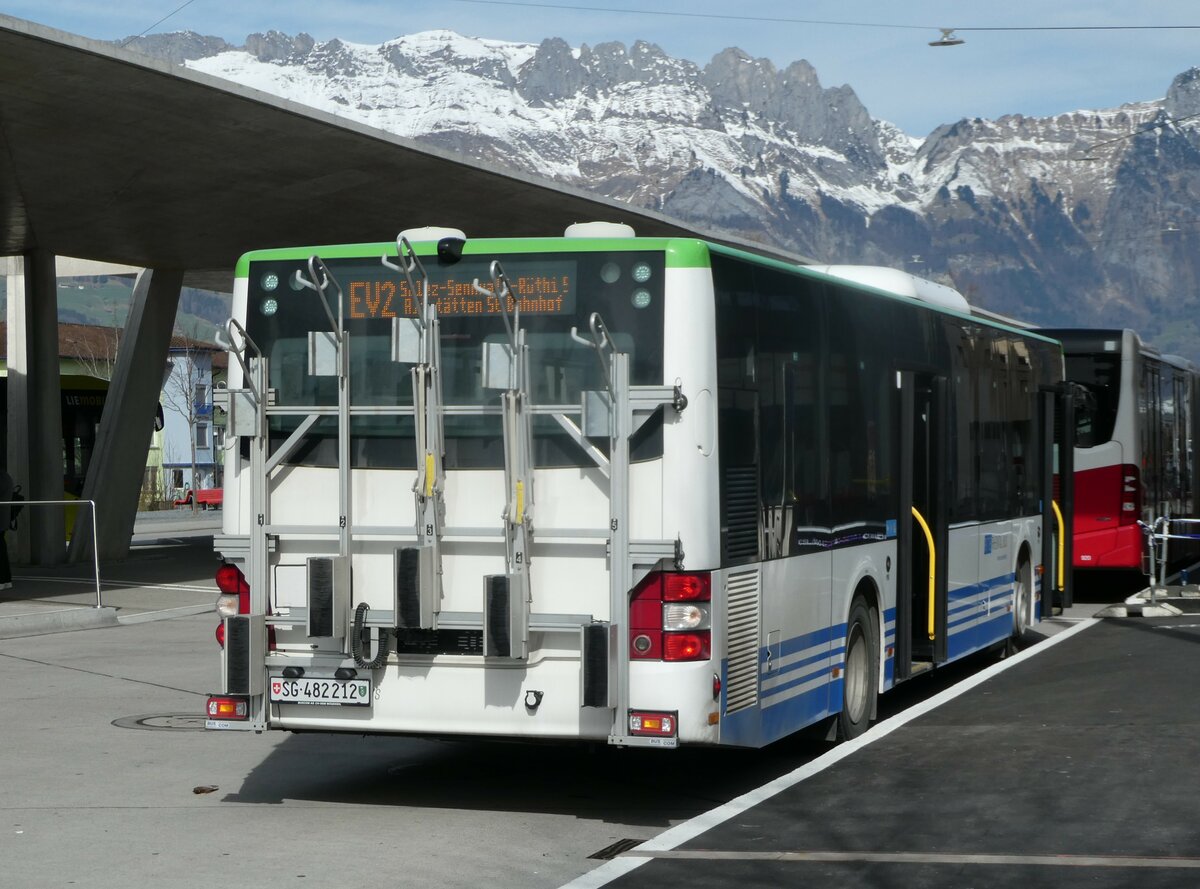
(609, 852)
(163, 722)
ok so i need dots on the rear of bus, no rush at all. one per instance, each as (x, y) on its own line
(1104, 365)
(436, 680)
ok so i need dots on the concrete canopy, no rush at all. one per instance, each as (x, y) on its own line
(112, 156)
(107, 155)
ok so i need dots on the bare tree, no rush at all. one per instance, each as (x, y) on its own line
(94, 347)
(181, 391)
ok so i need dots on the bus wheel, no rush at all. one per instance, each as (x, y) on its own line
(860, 682)
(1022, 599)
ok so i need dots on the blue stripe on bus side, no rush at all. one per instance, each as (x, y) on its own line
(769, 721)
(986, 633)
(779, 684)
(972, 629)
(804, 709)
(889, 648)
(756, 726)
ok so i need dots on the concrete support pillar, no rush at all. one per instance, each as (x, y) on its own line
(35, 451)
(114, 477)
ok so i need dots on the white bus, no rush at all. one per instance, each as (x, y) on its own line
(637, 491)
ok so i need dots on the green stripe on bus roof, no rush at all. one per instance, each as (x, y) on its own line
(680, 252)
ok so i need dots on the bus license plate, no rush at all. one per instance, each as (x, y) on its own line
(310, 690)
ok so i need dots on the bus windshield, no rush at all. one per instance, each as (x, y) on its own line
(1095, 415)
(557, 292)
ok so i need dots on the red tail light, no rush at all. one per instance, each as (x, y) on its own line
(231, 582)
(661, 629)
(687, 587)
(1131, 495)
(223, 707)
(653, 723)
(686, 646)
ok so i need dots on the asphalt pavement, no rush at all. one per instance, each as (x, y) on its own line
(1067, 766)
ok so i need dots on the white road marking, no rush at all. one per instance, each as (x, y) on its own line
(688, 830)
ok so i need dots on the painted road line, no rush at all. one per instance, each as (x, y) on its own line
(111, 583)
(933, 858)
(688, 830)
(143, 617)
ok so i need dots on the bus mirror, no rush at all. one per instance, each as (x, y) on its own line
(498, 366)
(242, 420)
(597, 414)
(322, 353)
(406, 340)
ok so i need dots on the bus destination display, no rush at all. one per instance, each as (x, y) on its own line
(537, 294)
(543, 288)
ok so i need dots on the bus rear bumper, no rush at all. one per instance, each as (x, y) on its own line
(1119, 547)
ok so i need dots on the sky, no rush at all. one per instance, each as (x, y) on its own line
(880, 49)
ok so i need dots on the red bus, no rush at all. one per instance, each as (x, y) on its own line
(1135, 425)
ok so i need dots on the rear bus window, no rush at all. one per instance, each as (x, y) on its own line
(559, 291)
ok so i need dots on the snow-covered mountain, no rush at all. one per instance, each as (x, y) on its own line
(1088, 217)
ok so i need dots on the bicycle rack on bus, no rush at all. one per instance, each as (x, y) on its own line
(416, 341)
(507, 597)
(618, 413)
(328, 355)
(327, 577)
(245, 634)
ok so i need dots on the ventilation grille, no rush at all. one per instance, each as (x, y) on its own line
(432, 642)
(741, 603)
(497, 638)
(595, 665)
(237, 655)
(320, 597)
(740, 509)
(408, 587)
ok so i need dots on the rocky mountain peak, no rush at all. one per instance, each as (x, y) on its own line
(552, 74)
(275, 46)
(176, 48)
(1183, 97)
(1084, 217)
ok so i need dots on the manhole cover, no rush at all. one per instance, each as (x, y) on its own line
(163, 722)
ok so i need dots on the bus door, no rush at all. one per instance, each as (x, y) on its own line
(1058, 494)
(922, 526)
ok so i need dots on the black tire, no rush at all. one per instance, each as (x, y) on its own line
(1023, 599)
(860, 679)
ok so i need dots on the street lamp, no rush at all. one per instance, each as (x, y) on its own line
(947, 38)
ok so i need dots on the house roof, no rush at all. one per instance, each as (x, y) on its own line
(91, 342)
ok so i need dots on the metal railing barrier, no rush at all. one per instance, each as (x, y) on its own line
(1158, 533)
(65, 503)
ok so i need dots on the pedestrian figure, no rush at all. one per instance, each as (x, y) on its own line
(6, 494)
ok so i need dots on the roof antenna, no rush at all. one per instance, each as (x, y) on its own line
(947, 38)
